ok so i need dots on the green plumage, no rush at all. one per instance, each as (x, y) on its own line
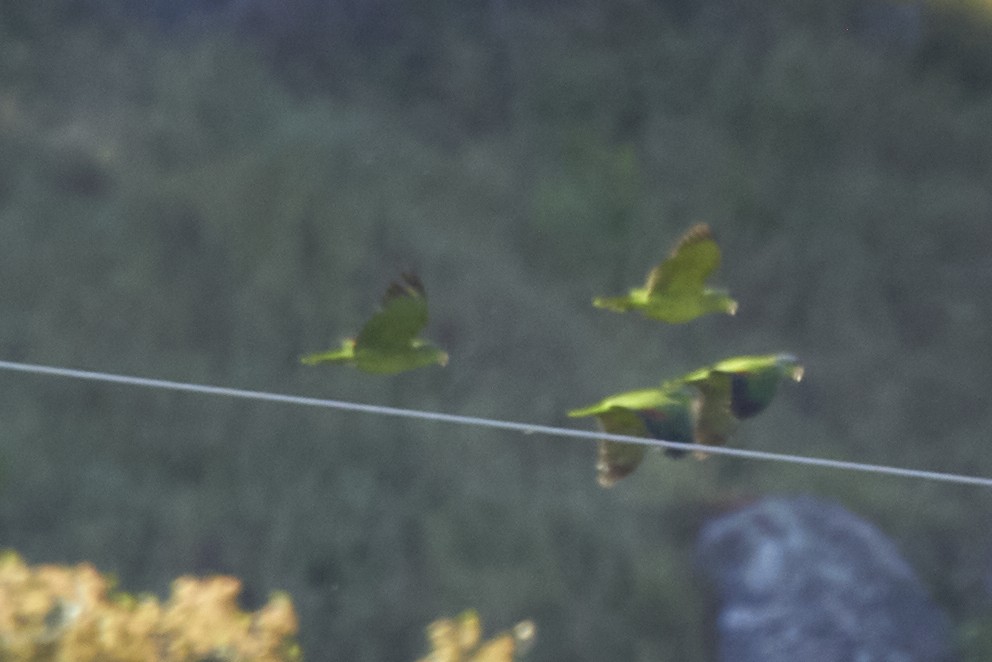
(676, 290)
(661, 413)
(735, 389)
(703, 407)
(388, 343)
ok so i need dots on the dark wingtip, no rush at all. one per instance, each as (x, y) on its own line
(697, 232)
(413, 281)
(407, 285)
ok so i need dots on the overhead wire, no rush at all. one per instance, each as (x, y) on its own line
(525, 428)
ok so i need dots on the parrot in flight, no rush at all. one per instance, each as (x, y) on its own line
(388, 342)
(662, 413)
(735, 389)
(675, 291)
(703, 407)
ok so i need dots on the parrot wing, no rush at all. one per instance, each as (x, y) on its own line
(755, 380)
(402, 317)
(615, 459)
(684, 272)
(661, 413)
(715, 423)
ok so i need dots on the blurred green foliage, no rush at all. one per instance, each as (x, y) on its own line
(187, 205)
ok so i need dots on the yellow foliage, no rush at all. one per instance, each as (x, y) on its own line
(459, 640)
(57, 613)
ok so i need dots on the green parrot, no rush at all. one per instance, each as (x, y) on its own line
(388, 343)
(662, 413)
(675, 290)
(735, 389)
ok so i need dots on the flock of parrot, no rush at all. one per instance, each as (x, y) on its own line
(703, 407)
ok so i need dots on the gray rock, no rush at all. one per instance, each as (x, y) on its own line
(799, 578)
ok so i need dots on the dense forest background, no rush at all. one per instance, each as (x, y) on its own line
(204, 191)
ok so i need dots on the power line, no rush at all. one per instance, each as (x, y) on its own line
(525, 428)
